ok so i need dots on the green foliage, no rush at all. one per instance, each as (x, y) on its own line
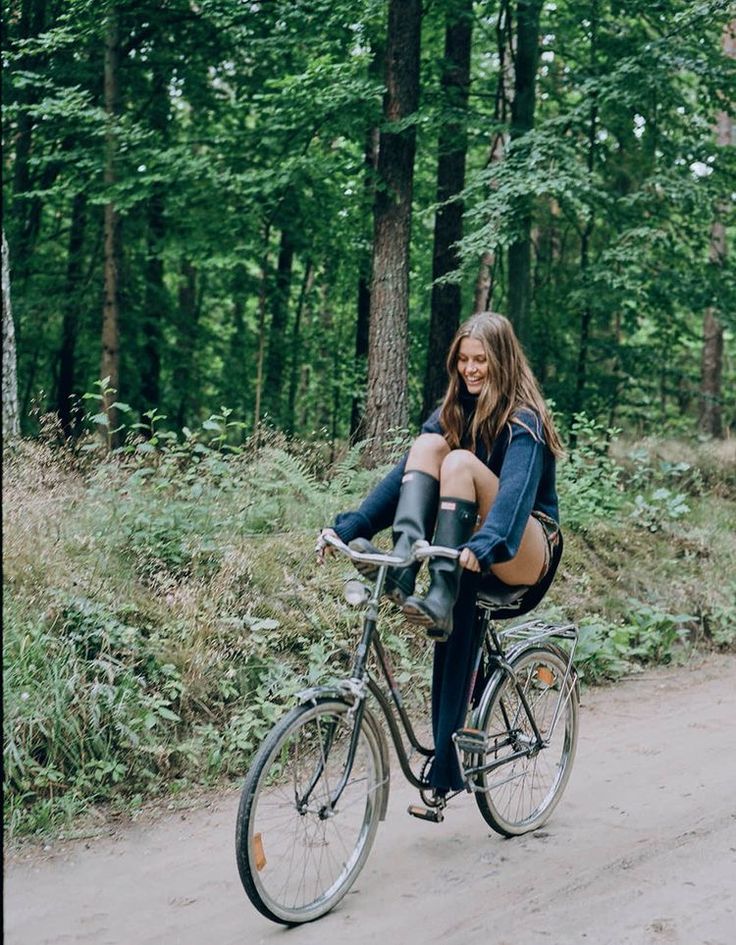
(649, 635)
(156, 623)
(242, 130)
(589, 480)
(661, 506)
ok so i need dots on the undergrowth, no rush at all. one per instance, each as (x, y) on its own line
(162, 607)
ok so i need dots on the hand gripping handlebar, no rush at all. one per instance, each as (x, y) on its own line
(420, 550)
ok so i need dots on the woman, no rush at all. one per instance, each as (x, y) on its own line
(481, 478)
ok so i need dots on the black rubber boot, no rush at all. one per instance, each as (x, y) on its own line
(414, 519)
(455, 524)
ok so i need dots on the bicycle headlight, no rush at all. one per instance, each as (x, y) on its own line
(356, 592)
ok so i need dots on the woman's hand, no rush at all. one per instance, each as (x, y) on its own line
(468, 560)
(322, 548)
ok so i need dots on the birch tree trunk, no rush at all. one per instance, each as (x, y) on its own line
(11, 425)
(389, 316)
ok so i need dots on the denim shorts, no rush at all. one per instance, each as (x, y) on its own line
(551, 531)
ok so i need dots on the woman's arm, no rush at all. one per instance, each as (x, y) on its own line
(500, 535)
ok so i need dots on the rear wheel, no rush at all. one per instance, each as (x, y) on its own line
(520, 795)
(297, 854)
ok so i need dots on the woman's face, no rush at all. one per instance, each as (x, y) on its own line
(472, 364)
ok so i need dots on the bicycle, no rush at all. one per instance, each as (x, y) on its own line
(319, 784)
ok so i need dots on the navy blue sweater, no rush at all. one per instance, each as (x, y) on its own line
(525, 467)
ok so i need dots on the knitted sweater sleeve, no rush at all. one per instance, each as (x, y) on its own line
(500, 535)
(377, 510)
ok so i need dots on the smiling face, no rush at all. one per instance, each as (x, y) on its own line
(472, 364)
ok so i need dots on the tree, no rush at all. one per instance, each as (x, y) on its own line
(70, 318)
(386, 406)
(522, 121)
(110, 361)
(277, 343)
(11, 425)
(710, 419)
(452, 145)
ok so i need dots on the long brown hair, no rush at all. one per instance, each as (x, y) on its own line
(509, 387)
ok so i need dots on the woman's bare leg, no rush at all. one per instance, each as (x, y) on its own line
(464, 476)
(427, 454)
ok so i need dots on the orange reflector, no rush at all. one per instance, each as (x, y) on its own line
(260, 856)
(545, 676)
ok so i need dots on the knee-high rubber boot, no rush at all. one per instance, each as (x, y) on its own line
(455, 524)
(413, 520)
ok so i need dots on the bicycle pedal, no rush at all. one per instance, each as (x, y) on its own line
(471, 740)
(433, 814)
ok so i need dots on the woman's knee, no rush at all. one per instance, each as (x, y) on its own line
(430, 444)
(458, 461)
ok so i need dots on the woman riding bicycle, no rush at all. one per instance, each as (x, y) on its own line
(481, 478)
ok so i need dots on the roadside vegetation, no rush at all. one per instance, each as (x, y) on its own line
(161, 604)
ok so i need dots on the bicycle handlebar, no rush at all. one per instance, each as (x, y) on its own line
(420, 550)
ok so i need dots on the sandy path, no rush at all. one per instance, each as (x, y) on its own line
(642, 849)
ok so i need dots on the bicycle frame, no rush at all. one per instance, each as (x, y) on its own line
(528, 634)
(357, 687)
(360, 683)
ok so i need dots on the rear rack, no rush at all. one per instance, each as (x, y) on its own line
(534, 631)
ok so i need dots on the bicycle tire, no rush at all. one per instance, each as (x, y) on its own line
(295, 861)
(519, 796)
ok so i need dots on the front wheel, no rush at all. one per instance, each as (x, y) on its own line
(519, 795)
(298, 854)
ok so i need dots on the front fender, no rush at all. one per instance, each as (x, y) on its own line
(350, 691)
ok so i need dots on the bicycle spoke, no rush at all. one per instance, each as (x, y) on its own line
(313, 851)
(519, 795)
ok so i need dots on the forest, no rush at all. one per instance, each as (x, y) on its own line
(284, 209)
(238, 236)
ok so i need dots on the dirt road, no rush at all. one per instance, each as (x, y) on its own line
(642, 849)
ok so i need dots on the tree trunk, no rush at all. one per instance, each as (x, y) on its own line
(70, 317)
(586, 316)
(110, 362)
(262, 303)
(362, 335)
(522, 121)
(296, 341)
(452, 146)
(387, 344)
(187, 343)
(26, 211)
(362, 327)
(710, 420)
(156, 303)
(11, 422)
(236, 375)
(485, 280)
(581, 372)
(277, 347)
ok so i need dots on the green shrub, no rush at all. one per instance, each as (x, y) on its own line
(589, 481)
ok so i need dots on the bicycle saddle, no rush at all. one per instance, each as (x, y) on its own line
(494, 592)
(505, 601)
